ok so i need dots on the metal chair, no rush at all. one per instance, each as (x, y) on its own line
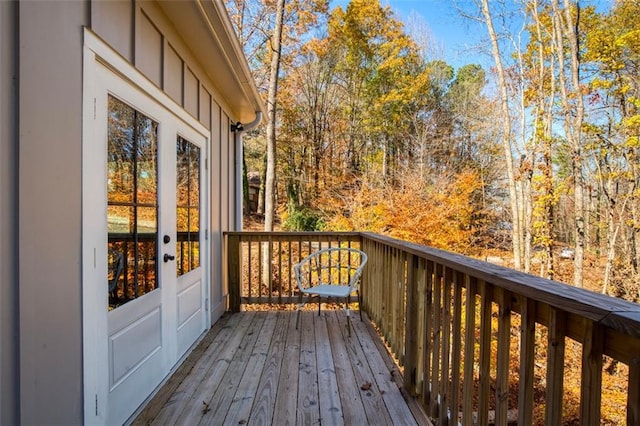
(115, 268)
(332, 273)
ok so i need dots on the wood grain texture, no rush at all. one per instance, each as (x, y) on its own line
(284, 411)
(352, 408)
(256, 368)
(265, 396)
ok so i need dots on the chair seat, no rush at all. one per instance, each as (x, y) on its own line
(329, 290)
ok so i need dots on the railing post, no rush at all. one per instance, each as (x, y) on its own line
(233, 271)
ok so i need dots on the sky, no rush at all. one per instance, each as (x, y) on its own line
(454, 38)
(458, 40)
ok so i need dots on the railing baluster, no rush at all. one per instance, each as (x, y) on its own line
(469, 350)
(290, 268)
(269, 268)
(261, 250)
(555, 366)
(527, 360)
(446, 344)
(387, 291)
(428, 335)
(249, 264)
(485, 352)
(590, 389)
(399, 306)
(502, 367)
(421, 304)
(411, 326)
(437, 338)
(280, 277)
(456, 349)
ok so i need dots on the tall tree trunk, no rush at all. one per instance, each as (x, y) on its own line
(270, 179)
(272, 96)
(581, 238)
(635, 213)
(573, 117)
(612, 232)
(261, 190)
(516, 232)
(543, 134)
(245, 184)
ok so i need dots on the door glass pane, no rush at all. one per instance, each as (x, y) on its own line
(132, 203)
(187, 205)
(194, 177)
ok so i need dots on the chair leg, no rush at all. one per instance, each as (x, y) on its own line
(299, 309)
(319, 303)
(346, 307)
(359, 303)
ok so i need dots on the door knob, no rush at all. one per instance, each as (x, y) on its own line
(168, 257)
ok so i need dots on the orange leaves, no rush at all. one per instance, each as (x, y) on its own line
(438, 213)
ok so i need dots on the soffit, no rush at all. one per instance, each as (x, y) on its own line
(207, 30)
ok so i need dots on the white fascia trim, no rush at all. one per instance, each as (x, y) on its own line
(235, 59)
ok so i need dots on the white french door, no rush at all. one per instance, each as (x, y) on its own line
(144, 222)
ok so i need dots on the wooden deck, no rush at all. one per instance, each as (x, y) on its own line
(256, 368)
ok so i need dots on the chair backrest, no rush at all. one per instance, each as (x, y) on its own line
(335, 265)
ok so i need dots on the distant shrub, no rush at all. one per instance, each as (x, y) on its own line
(304, 220)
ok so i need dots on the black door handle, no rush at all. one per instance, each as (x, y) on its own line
(168, 257)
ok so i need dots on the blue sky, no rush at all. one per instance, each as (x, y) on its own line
(456, 38)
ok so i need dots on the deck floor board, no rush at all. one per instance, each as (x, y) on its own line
(258, 369)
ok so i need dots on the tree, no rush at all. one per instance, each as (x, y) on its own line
(272, 97)
(565, 30)
(612, 48)
(506, 137)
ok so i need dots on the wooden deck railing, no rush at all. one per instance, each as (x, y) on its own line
(474, 340)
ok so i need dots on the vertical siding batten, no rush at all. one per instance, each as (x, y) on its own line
(9, 379)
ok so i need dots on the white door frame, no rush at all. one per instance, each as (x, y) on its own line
(174, 120)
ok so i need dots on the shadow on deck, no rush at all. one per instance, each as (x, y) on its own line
(256, 368)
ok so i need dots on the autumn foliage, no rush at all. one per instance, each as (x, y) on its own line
(440, 214)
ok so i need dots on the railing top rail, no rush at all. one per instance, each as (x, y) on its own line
(293, 234)
(611, 312)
